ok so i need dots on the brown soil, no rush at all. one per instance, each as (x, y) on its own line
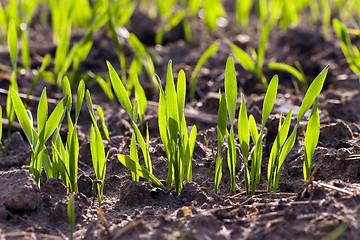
(138, 210)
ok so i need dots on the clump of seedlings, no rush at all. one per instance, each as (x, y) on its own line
(97, 148)
(350, 50)
(247, 127)
(65, 158)
(255, 62)
(173, 130)
(37, 138)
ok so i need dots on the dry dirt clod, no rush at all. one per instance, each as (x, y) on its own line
(19, 191)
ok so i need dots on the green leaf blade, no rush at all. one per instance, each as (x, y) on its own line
(172, 108)
(55, 118)
(269, 99)
(12, 43)
(278, 143)
(312, 92)
(141, 171)
(79, 99)
(42, 111)
(230, 88)
(120, 90)
(245, 61)
(181, 91)
(67, 92)
(311, 139)
(22, 116)
(222, 120)
(243, 130)
(206, 55)
(289, 69)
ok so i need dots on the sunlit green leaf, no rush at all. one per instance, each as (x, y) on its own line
(284, 152)
(171, 98)
(289, 69)
(42, 111)
(142, 172)
(134, 156)
(230, 88)
(79, 99)
(244, 138)
(120, 90)
(102, 120)
(311, 139)
(181, 91)
(312, 92)
(253, 129)
(222, 120)
(269, 99)
(12, 42)
(67, 92)
(141, 99)
(206, 55)
(22, 115)
(245, 61)
(278, 143)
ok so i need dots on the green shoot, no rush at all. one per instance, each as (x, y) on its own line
(46, 127)
(97, 149)
(131, 111)
(135, 70)
(309, 99)
(102, 120)
(104, 85)
(298, 74)
(66, 157)
(44, 65)
(254, 65)
(191, 9)
(207, 54)
(71, 216)
(172, 22)
(258, 148)
(10, 112)
(221, 131)
(243, 9)
(144, 57)
(311, 139)
(283, 131)
(12, 43)
(25, 52)
(134, 156)
(326, 16)
(141, 99)
(139, 170)
(231, 96)
(114, 37)
(350, 51)
(60, 66)
(282, 145)
(165, 11)
(253, 129)
(173, 130)
(213, 10)
(244, 138)
(289, 14)
(3, 22)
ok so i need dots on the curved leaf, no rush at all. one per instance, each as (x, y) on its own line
(141, 171)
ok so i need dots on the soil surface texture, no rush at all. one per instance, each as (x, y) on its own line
(327, 206)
